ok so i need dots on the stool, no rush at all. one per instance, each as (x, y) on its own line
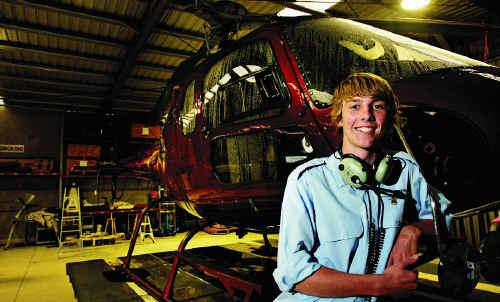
(145, 229)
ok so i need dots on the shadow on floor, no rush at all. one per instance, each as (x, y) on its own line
(242, 261)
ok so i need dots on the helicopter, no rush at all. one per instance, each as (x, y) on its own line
(244, 117)
(239, 120)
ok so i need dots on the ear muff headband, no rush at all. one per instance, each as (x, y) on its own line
(358, 173)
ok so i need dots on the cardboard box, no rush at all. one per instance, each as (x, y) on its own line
(78, 150)
(81, 166)
(144, 131)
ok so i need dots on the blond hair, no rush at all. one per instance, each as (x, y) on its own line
(365, 84)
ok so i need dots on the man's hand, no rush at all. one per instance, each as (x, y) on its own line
(406, 245)
(398, 279)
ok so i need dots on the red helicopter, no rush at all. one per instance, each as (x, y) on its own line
(242, 119)
(238, 121)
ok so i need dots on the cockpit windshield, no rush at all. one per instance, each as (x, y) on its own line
(329, 49)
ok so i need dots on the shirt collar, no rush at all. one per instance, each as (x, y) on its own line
(333, 162)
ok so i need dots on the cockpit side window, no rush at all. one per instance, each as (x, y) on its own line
(243, 86)
(259, 156)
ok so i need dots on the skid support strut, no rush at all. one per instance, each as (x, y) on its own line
(230, 283)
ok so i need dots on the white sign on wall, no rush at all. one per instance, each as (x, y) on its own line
(4, 148)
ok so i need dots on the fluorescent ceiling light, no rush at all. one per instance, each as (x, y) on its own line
(414, 4)
(318, 6)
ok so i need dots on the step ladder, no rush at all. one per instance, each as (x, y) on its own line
(70, 233)
(111, 222)
(145, 229)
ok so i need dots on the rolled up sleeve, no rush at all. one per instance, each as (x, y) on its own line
(424, 198)
(297, 238)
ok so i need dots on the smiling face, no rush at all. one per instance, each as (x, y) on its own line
(365, 109)
(362, 120)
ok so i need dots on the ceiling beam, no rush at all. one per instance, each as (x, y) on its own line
(17, 93)
(46, 30)
(493, 9)
(137, 89)
(100, 59)
(179, 32)
(17, 46)
(51, 102)
(53, 92)
(151, 19)
(140, 91)
(32, 105)
(52, 82)
(51, 31)
(49, 109)
(50, 68)
(81, 12)
(137, 102)
(147, 79)
(166, 51)
(63, 69)
(130, 109)
(156, 67)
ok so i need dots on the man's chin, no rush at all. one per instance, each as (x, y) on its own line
(367, 145)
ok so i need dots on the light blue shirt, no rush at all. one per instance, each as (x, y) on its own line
(324, 222)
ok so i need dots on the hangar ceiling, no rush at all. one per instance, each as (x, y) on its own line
(117, 56)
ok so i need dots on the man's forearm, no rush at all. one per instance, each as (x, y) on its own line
(426, 226)
(327, 282)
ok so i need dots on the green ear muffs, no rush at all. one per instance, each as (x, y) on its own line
(357, 173)
(354, 171)
(384, 169)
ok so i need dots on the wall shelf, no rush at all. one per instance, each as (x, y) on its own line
(29, 174)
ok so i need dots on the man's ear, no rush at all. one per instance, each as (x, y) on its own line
(339, 123)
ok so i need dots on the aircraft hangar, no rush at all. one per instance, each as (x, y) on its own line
(145, 145)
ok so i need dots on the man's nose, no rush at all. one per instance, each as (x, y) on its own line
(367, 113)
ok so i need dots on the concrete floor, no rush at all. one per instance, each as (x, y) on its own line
(38, 273)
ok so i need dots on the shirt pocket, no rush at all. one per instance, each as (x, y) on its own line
(393, 212)
(338, 243)
(345, 230)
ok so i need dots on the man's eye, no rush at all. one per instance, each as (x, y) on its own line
(379, 106)
(354, 107)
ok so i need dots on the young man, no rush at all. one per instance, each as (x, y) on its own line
(341, 234)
